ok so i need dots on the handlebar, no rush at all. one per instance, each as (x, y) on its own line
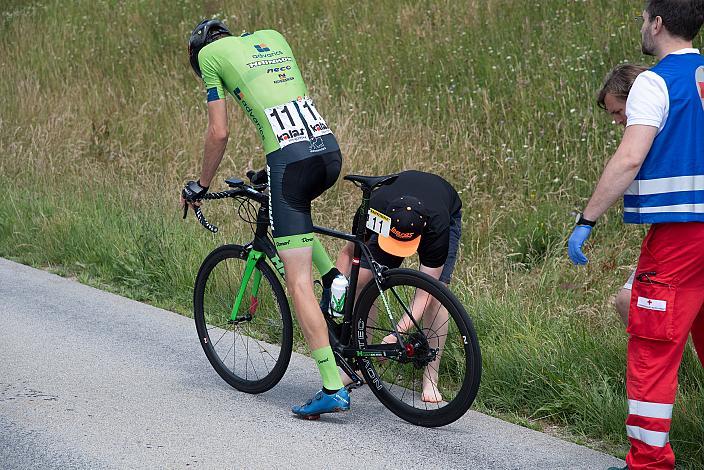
(253, 191)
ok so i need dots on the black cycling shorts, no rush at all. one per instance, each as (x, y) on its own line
(296, 177)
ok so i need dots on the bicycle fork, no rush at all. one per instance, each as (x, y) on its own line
(250, 272)
(259, 248)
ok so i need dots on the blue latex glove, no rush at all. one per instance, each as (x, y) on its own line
(580, 234)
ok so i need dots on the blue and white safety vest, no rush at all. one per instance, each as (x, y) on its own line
(670, 185)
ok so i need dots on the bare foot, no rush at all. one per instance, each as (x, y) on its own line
(346, 379)
(431, 394)
(389, 339)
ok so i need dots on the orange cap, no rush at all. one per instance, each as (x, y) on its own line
(407, 224)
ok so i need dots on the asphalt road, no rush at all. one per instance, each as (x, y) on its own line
(89, 379)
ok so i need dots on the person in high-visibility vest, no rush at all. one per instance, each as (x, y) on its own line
(659, 170)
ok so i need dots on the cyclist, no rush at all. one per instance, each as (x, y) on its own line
(612, 98)
(426, 216)
(302, 158)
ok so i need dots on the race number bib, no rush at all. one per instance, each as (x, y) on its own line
(316, 124)
(378, 222)
(287, 124)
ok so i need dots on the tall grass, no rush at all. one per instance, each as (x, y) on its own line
(101, 121)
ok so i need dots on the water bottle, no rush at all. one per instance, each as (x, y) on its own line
(338, 292)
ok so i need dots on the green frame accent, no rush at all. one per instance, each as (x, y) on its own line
(279, 265)
(255, 282)
(252, 259)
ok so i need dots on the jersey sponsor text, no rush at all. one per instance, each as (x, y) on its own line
(261, 63)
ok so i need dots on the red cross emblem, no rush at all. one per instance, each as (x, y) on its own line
(699, 77)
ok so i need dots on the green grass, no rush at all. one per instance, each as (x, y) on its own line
(101, 121)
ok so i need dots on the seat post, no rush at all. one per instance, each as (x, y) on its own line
(362, 214)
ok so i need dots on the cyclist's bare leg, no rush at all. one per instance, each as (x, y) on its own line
(298, 266)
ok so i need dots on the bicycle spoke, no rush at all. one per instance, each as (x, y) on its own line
(228, 353)
(435, 315)
(221, 337)
(246, 367)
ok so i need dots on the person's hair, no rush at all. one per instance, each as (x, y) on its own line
(219, 35)
(681, 18)
(619, 82)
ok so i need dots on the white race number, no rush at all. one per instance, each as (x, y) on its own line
(287, 124)
(317, 125)
(378, 222)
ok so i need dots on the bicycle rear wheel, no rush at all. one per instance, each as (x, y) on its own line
(436, 378)
(253, 352)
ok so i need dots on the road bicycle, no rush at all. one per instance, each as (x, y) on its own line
(243, 318)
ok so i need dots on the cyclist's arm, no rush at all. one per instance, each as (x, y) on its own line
(215, 140)
(646, 110)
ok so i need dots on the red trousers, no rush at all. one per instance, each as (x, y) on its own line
(666, 305)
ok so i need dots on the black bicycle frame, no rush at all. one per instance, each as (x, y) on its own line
(342, 344)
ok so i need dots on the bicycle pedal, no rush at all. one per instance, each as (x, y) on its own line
(354, 386)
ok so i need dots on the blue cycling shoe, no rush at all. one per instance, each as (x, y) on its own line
(323, 403)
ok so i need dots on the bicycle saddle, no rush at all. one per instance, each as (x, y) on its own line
(371, 181)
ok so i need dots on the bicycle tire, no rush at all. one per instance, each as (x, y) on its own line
(383, 374)
(216, 286)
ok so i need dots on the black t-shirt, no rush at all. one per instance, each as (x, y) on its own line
(440, 202)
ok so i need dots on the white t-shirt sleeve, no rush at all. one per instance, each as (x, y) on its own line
(648, 102)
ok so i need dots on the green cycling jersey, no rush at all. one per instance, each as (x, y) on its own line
(259, 70)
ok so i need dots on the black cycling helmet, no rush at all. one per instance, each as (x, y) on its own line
(202, 35)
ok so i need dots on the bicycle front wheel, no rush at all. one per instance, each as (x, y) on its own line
(252, 352)
(433, 380)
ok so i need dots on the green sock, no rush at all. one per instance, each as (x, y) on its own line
(321, 260)
(328, 369)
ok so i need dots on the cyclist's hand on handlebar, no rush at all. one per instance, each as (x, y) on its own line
(191, 193)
